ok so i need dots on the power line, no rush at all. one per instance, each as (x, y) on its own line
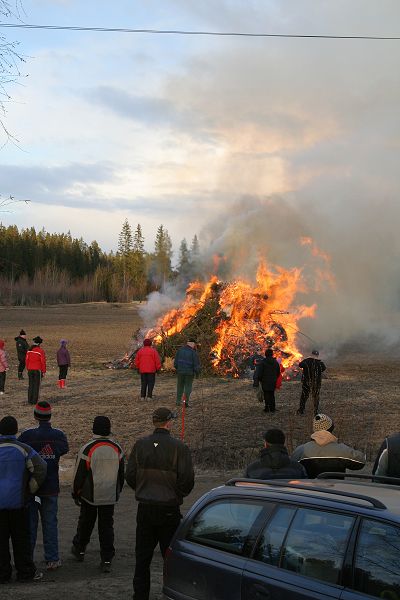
(198, 33)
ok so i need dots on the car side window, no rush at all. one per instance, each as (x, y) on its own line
(377, 562)
(224, 525)
(316, 544)
(270, 543)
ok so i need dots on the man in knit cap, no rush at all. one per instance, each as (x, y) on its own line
(325, 453)
(22, 472)
(147, 362)
(36, 367)
(98, 481)
(22, 348)
(50, 444)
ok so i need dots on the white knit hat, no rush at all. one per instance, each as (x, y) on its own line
(322, 422)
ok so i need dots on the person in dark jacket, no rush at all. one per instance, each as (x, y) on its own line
(325, 453)
(63, 362)
(36, 367)
(311, 378)
(187, 365)
(22, 348)
(148, 363)
(274, 461)
(98, 482)
(388, 458)
(267, 373)
(255, 360)
(22, 472)
(161, 473)
(3, 367)
(50, 444)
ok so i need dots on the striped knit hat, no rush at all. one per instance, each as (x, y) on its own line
(42, 411)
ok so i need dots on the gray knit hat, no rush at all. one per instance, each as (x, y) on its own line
(322, 422)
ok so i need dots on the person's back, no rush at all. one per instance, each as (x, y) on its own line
(388, 458)
(274, 461)
(325, 452)
(187, 360)
(267, 372)
(147, 360)
(312, 370)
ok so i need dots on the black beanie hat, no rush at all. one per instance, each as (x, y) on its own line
(8, 426)
(101, 425)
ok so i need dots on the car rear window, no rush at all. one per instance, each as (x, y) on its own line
(225, 525)
(377, 561)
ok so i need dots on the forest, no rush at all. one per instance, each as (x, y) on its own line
(38, 267)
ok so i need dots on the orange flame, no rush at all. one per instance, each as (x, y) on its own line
(249, 317)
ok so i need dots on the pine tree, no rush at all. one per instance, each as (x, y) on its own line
(138, 240)
(139, 274)
(125, 241)
(184, 266)
(125, 251)
(195, 260)
(162, 255)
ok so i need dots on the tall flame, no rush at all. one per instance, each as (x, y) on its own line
(249, 317)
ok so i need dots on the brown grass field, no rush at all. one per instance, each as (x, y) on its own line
(223, 425)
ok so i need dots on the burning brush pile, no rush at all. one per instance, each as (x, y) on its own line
(233, 320)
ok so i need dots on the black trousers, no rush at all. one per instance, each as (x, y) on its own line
(148, 380)
(154, 525)
(62, 371)
(105, 524)
(307, 389)
(34, 386)
(269, 400)
(2, 380)
(21, 366)
(14, 524)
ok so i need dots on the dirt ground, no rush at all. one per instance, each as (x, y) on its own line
(223, 425)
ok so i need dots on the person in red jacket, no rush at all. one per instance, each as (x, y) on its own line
(36, 367)
(147, 362)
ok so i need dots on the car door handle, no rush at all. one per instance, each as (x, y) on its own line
(260, 591)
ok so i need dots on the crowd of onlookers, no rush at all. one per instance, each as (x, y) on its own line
(159, 469)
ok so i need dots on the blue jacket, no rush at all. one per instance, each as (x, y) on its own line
(22, 471)
(187, 361)
(50, 444)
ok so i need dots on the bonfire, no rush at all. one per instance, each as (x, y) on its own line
(231, 320)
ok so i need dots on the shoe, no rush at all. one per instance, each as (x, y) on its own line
(105, 566)
(38, 576)
(143, 397)
(52, 565)
(78, 555)
(1, 393)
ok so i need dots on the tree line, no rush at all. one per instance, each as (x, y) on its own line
(45, 268)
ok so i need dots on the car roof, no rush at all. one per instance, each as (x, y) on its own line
(368, 497)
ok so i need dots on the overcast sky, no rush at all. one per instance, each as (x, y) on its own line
(177, 130)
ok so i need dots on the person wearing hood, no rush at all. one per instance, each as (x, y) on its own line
(312, 368)
(325, 452)
(22, 472)
(148, 363)
(63, 361)
(98, 482)
(267, 373)
(36, 367)
(22, 348)
(274, 461)
(3, 367)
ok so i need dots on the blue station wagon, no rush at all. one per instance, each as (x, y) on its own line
(326, 538)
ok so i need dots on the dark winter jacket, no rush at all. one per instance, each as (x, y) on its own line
(325, 453)
(274, 463)
(99, 471)
(63, 356)
(267, 372)
(50, 444)
(22, 347)
(388, 459)
(36, 359)
(187, 361)
(22, 471)
(312, 371)
(160, 469)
